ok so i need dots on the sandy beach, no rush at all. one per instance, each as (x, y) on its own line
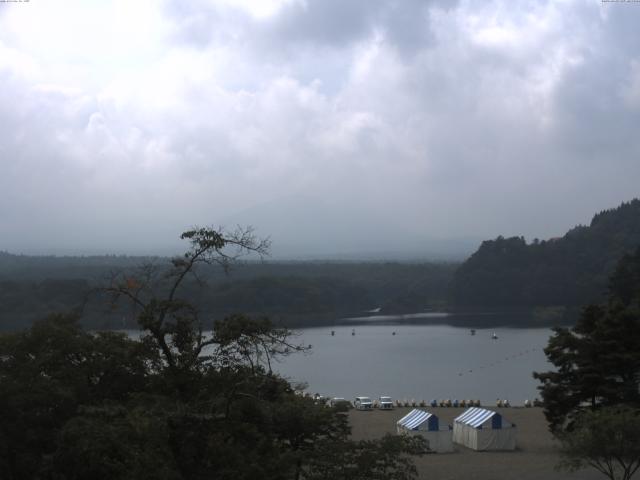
(535, 457)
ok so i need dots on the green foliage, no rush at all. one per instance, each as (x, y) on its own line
(46, 373)
(299, 293)
(598, 360)
(104, 443)
(607, 439)
(70, 412)
(569, 271)
(178, 403)
(385, 459)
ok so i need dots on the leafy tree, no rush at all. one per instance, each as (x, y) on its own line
(171, 323)
(385, 459)
(607, 440)
(179, 403)
(46, 373)
(109, 442)
(598, 360)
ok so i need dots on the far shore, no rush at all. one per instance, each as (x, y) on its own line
(479, 317)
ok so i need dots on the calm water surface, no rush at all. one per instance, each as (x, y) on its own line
(420, 362)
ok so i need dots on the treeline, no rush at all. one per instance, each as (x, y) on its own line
(179, 402)
(568, 271)
(506, 273)
(294, 293)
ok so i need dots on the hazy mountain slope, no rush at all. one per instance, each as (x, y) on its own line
(571, 270)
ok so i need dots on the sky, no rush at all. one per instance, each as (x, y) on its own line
(335, 127)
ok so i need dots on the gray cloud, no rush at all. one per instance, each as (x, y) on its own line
(327, 124)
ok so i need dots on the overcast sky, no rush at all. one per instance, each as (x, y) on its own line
(330, 125)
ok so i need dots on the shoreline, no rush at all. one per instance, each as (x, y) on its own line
(477, 318)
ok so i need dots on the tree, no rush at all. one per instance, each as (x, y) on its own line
(598, 360)
(181, 402)
(569, 271)
(386, 459)
(47, 373)
(171, 323)
(607, 439)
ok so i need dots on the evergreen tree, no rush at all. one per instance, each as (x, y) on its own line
(598, 360)
(568, 271)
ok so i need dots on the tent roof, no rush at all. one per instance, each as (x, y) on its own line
(475, 417)
(415, 418)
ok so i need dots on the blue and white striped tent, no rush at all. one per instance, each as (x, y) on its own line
(482, 429)
(426, 424)
(419, 420)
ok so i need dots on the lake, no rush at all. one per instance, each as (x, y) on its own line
(420, 361)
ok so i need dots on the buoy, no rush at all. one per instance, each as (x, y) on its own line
(393, 333)
(333, 333)
(353, 331)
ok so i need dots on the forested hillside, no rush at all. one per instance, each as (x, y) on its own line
(567, 271)
(298, 293)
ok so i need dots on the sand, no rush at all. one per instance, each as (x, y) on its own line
(535, 457)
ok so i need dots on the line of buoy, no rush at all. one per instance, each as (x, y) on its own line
(353, 331)
(506, 359)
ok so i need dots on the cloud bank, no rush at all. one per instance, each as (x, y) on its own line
(332, 126)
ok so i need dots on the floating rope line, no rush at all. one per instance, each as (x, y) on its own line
(506, 359)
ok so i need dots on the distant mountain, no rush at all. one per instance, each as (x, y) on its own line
(307, 227)
(567, 271)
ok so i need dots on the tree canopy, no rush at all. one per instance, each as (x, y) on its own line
(598, 360)
(567, 271)
(607, 440)
(292, 293)
(180, 402)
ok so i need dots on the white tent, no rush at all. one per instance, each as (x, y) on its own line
(426, 424)
(482, 429)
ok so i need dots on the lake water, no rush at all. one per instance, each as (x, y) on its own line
(420, 362)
